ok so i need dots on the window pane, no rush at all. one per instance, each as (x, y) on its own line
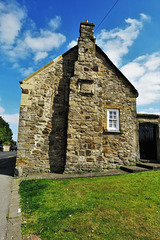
(113, 119)
(114, 124)
(114, 115)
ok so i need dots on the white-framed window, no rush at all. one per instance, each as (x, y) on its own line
(113, 120)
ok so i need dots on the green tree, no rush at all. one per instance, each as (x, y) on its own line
(5, 132)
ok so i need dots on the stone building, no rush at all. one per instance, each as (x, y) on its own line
(149, 137)
(78, 113)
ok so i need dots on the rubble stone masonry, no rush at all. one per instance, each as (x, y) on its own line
(63, 113)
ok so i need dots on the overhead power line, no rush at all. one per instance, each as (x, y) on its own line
(107, 14)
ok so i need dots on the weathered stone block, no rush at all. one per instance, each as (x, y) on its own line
(91, 146)
(88, 153)
(90, 159)
(37, 151)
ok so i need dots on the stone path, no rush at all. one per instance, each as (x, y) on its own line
(5, 193)
(14, 213)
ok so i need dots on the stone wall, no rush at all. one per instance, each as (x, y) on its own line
(63, 114)
(96, 86)
(6, 148)
(43, 117)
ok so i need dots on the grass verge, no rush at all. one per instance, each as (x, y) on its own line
(116, 207)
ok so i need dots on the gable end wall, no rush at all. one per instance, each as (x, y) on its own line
(63, 114)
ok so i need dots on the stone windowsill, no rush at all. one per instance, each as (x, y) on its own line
(112, 132)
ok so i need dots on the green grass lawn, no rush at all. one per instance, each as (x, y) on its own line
(117, 207)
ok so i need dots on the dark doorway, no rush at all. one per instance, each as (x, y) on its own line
(147, 141)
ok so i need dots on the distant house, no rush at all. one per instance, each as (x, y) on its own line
(79, 113)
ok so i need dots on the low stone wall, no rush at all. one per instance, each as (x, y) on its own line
(6, 148)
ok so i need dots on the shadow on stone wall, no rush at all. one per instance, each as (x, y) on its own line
(58, 135)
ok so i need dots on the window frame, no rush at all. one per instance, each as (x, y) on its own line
(112, 128)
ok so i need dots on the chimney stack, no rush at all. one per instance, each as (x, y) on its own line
(87, 30)
(86, 41)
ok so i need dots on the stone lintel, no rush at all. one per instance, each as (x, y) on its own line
(114, 107)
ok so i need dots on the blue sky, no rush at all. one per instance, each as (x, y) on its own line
(32, 33)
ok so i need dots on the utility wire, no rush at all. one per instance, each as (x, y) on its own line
(107, 14)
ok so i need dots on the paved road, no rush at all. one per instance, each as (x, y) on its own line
(7, 154)
(7, 165)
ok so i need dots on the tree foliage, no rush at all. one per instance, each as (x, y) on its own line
(5, 132)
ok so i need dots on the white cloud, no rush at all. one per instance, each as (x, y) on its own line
(11, 118)
(14, 128)
(55, 23)
(40, 56)
(20, 38)
(116, 42)
(145, 17)
(36, 47)
(11, 20)
(144, 73)
(26, 71)
(154, 61)
(15, 65)
(46, 41)
(18, 51)
(72, 44)
(133, 70)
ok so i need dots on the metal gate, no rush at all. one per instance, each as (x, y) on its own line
(147, 141)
